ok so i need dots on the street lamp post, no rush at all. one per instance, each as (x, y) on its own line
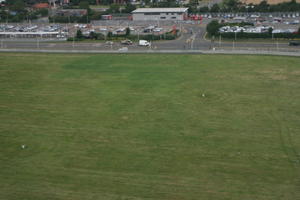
(37, 43)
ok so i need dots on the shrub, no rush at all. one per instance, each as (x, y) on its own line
(212, 27)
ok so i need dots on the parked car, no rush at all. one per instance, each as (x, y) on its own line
(123, 49)
(109, 43)
(294, 43)
(157, 29)
(126, 42)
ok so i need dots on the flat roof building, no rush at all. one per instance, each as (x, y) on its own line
(154, 14)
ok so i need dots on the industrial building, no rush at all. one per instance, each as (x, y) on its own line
(154, 14)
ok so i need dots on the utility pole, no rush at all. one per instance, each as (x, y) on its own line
(212, 42)
(37, 43)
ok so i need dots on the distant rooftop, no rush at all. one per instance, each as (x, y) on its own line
(40, 5)
(159, 10)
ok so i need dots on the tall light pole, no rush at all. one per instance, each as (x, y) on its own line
(37, 42)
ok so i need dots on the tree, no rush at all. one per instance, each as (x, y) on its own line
(129, 8)
(204, 9)
(18, 6)
(79, 34)
(193, 5)
(114, 8)
(43, 12)
(215, 8)
(213, 27)
(194, 2)
(270, 30)
(165, 4)
(231, 5)
(84, 5)
(109, 34)
(93, 35)
(263, 6)
(127, 31)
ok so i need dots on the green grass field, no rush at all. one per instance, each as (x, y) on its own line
(135, 127)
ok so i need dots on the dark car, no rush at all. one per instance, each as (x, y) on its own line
(294, 43)
(126, 42)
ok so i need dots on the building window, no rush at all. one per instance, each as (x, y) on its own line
(162, 17)
(151, 13)
(173, 17)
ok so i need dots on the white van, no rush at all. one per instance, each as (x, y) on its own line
(144, 43)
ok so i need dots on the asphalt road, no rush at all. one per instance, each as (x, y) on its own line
(192, 38)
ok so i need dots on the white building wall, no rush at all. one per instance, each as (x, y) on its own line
(157, 16)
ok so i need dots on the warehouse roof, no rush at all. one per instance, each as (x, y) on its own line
(159, 10)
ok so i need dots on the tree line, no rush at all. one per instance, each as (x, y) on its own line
(237, 6)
